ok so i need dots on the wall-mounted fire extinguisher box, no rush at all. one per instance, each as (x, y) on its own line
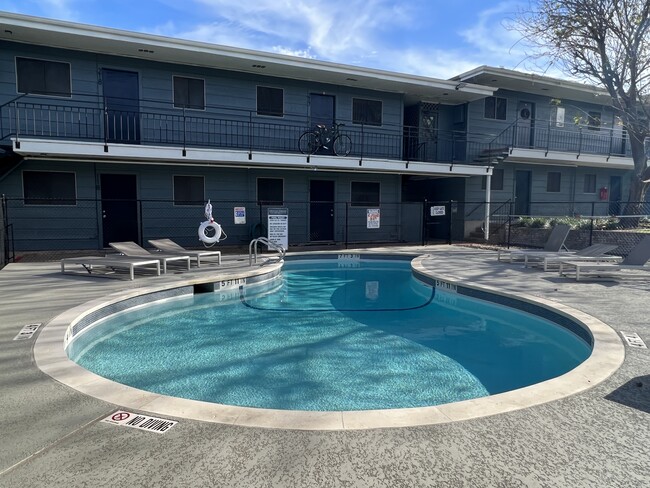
(603, 193)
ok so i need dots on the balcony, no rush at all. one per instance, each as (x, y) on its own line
(91, 129)
(544, 141)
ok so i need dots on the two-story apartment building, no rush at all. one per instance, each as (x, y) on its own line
(109, 135)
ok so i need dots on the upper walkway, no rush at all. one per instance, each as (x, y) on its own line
(150, 123)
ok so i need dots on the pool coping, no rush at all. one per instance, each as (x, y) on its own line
(607, 355)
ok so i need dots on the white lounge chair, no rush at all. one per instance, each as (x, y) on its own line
(170, 247)
(554, 243)
(132, 249)
(593, 253)
(635, 260)
(91, 263)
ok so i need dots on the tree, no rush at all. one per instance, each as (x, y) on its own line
(603, 42)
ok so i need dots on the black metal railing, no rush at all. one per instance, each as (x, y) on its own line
(90, 118)
(547, 136)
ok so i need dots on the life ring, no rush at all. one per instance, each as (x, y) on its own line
(207, 238)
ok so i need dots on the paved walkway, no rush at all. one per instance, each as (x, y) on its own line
(51, 434)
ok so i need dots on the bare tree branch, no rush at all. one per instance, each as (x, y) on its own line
(606, 42)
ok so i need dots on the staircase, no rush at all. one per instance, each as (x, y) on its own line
(492, 155)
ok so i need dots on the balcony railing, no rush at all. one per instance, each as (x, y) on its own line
(88, 118)
(579, 139)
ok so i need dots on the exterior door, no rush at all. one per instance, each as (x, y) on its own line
(122, 102)
(119, 208)
(615, 195)
(525, 125)
(321, 210)
(522, 192)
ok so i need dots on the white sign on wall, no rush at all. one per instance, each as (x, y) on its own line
(437, 210)
(373, 218)
(278, 225)
(240, 215)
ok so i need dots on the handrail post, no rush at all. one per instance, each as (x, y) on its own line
(184, 133)
(363, 143)
(105, 126)
(250, 134)
(347, 222)
(579, 142)
(510, 210)
(591, 225)
(451, 202)
(611, 142)
(17, 125)
(424, 220)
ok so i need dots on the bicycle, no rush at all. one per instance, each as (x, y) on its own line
(324, 137)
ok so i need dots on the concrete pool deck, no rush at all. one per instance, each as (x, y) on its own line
(52, 434)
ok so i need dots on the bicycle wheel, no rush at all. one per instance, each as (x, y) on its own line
(308, 143)
(342, 145)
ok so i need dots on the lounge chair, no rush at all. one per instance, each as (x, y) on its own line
(593, 253)
(170, 247)
(131, 249)
(554, 244)
(113, 262)
(635, 260)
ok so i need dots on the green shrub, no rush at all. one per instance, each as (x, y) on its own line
(533, 222)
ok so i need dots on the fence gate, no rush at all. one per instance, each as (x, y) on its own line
(437, 221)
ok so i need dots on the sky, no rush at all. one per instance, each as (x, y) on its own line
(432, 38)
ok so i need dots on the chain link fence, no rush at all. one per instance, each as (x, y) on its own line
(619, 223)
(48, 229)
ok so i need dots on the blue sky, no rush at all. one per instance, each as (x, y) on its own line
(426, 37)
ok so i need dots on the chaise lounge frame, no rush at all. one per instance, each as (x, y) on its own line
(113, 262)
(170, 247)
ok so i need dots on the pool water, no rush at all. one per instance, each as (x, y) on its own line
(328, 338)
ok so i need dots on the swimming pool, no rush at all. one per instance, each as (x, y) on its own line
(337, 334)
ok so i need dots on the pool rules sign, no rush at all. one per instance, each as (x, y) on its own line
(278, 220)
(372, 218)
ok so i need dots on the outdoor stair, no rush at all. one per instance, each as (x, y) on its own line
(493, 155)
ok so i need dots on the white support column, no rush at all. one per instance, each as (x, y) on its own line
(486, 228)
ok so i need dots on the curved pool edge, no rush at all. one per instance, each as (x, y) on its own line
(607, 355)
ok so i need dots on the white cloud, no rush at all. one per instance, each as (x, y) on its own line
(58, 9)
(337, 30)
(435, 63)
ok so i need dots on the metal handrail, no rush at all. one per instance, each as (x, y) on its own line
(85, 117)
(252, 249)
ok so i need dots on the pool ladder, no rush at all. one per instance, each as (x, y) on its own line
(252, 249)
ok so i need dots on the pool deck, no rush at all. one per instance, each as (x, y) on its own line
(53, 436)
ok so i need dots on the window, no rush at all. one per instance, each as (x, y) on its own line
(557, 116)
(49, 188)
(43, 77)
(496, 108)
(590, 184)
(270, 191)
(270, 101)
(367, 112)
(189, 190)
(364, 194)
(496, 183)
(189, 93)
(553, 181)
(593, 121)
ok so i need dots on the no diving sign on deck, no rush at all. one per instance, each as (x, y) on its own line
(138, 421)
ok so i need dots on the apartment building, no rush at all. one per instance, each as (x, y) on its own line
(108, 135)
